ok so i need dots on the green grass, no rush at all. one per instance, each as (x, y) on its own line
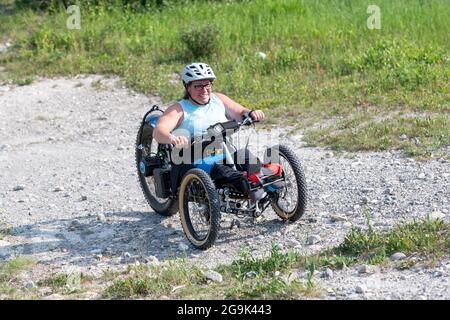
(65, 283)
(9, 271)
(322, 63)
(154, 281)
(270, 276)
(178, 279)
(427, 239)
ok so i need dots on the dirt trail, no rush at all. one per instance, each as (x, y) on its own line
(68, 189)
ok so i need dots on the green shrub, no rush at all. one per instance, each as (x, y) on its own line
(201, 42)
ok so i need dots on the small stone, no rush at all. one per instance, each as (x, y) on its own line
(389, 191)
(313, 239)
(213, 276)
(437, 215)
(58, 189)
(327, 273)
(329, 154)
(367, 190)
(121, 148)
(364, 200)
(347, 224)
(250, 275)
(235, 223)
(437, 274)
(337, 218)
(75, 225)
(365, 269)
(182, 247)
(126, 257)
(361, 289)
(101, 217)
(403, 137)
(152, 260)
(83, 198)
(51, 139)
(30, 285)
(293, 243)
(261, 55)
(398, 256)
(18, 188)
(421, 176)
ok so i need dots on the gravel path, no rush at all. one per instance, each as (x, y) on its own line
(68, 189)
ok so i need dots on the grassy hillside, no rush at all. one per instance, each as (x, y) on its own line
(374, 89)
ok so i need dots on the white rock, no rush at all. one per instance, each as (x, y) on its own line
(337, 218)
(101, 217)
(398, 256)
(421, 176)
(437, 215)
(182, 246)
(213, 276)
(58, 189)
(152, 260)
(261, 55)
(4, 243)
(126, 257)
(347, 224)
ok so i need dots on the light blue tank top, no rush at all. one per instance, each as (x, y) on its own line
(198, 118)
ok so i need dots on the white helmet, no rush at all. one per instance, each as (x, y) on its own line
(197, 71)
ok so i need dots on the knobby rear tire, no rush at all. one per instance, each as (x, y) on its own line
(169, 206)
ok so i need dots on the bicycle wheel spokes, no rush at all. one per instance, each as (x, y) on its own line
(287, 200)
(198, 209)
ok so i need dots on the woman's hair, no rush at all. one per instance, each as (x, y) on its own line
(186, 94)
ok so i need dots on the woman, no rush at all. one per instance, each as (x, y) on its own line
(199, 109)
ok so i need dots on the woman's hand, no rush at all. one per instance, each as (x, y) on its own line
(179, 141)
(257, 115)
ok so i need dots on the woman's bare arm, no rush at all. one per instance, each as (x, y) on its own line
(236, 112)
(171, 119)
